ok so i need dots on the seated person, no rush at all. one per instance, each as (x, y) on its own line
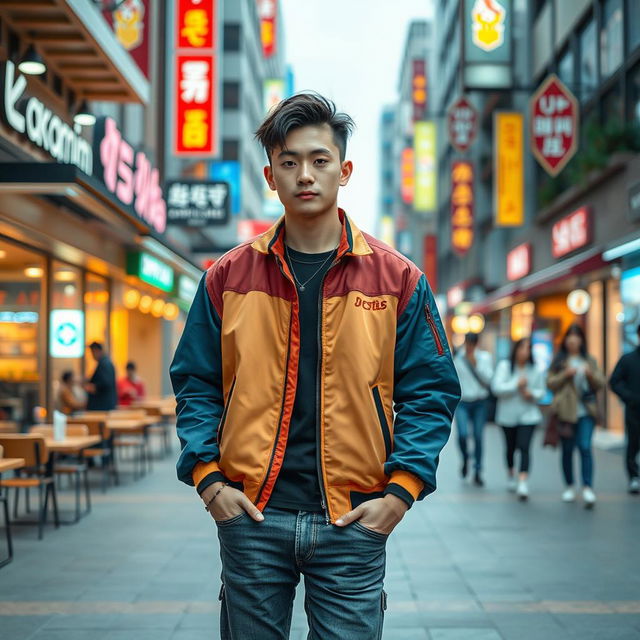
(70, 397)
(131, 387)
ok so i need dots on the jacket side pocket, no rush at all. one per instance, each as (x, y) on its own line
(382, 419)
(223, 419)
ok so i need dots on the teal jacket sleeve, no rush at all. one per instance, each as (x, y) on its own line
(426, 390)
(196, 376)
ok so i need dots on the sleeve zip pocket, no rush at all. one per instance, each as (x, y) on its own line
(223, 419)
(434, 330)
(382, 418)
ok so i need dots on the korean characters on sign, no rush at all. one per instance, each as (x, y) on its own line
(462, 121)
(554, 117)
(571, 232)
(195, 79)
(461, 207)
(197, 203)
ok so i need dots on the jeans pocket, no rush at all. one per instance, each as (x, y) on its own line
(382, 537)
(232, 520)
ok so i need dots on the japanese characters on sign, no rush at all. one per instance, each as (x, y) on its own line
(130, 22)
(197, 203)
(128, 174)
(424, 142)
(461, 207)
(554, 125)
(267, 10)
(462, 120)
(571, 232)
(509, 169)
(407, 175)
(195, 79)
(419, 89)
(519, 261)
(195, 24)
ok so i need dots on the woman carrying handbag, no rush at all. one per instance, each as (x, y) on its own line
(574, 378)
(518, 386)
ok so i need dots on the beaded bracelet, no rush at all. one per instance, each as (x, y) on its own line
(215, 495)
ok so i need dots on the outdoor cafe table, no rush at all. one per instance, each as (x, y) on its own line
(72, 444)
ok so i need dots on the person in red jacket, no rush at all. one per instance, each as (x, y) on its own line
(131, 387)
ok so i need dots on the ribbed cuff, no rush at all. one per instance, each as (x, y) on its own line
(207, 481)
(400, 492)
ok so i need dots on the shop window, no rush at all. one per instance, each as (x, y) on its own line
(566, 69)
(612, 106)
(22, 344)
(633, 25)
(66, 339)
(633, 94)
(96, 302)
(232, 37)
(588, 78)
(611, 37)
(231, 95)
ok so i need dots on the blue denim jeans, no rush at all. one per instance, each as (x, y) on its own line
(476, 413)
(582, 437)
(343, 571)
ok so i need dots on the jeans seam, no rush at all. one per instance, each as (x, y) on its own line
(314, 539)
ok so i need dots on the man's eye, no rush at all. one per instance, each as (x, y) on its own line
(288, 163)
(321, 161)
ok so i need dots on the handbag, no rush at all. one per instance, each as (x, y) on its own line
(557, 429)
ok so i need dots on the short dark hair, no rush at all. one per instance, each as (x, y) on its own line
(301, 110)
(67, 376)
(471, 338)
(96, 345)
(131, 366)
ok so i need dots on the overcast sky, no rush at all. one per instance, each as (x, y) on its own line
(350, 51)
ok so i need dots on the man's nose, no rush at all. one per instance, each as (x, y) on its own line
(305, 176)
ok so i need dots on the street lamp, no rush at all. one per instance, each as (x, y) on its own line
(83, 116)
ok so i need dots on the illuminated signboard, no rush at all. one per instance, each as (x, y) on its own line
(508, 180)
(195, 24)
(461, 207)
(150, 270)
(268, 10)
(407, 175)
(197, 203)
(424, 141)
(66, 333)
(571, 232)
(130, 23)
(519, 261)
(419, 89)
(462, 124)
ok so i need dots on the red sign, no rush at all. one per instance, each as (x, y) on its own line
(519, 262)
(462, 120)
(571, 232)
(195, 106)
(419, 90)
(461, 207)
(267, 10)
(195, 26)
(407, 175)
(248, 229)
(431, 260)
(128, 174)
(130, 24)
(554, 116)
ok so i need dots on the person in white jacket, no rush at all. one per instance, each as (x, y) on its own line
(519, 386)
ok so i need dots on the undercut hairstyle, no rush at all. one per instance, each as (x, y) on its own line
(96, 345)
(302, 110)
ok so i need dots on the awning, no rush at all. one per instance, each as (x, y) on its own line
(529, 286)
(79, 45)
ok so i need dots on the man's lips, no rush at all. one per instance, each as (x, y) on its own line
(306, 195)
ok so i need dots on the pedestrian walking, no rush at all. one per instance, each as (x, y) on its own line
(102, 384)
(518, 385)
(622, 384)
(297, 348)
(574, 378)
(475, 370)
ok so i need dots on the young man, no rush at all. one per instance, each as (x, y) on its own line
(622, 384)
(475, 368)
(297, 349)
(102, 384)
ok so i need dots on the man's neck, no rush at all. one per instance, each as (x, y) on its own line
(315, 235)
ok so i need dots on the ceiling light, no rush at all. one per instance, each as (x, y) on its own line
(33, 272)
(3, 254)
(32, 63)
(65, 275)
(83, 116)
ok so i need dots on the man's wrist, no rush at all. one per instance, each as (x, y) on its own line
(398, 505)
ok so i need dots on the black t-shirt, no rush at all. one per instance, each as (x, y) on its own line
(298, 485)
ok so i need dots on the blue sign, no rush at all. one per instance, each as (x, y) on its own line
(66, 333)
(229, 171)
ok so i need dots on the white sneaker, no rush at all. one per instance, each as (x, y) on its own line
(569, 495)
(634, 485)
(512, 484)
(523, 490)
(589, 497)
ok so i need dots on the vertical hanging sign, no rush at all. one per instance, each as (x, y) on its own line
(424, 140)
(195, 79)
(461, 207)
(267, 10)
(508, 175)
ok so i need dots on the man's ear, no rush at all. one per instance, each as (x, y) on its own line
(346, 170)
(268, 176)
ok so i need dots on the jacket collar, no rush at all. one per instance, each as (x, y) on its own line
(352, 241)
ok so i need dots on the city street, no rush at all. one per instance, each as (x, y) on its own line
(466, 564)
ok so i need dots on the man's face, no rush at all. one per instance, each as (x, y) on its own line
(96, 353)
(307, 171)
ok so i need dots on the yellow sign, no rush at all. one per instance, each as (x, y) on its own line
(488, 18)
(508, 175)
(425, 194)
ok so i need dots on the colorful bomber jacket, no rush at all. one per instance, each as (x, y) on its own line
(386, 391)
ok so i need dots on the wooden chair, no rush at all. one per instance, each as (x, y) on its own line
(76, 470)
(137, 441)
(9, 426)
(7, 523)
(36, 473)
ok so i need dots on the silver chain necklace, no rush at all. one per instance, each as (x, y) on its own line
(301, 285)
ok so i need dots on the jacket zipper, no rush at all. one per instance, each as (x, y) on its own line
(284, 397)
(434, 330)
(223, 419)
(382, 418)
(323, 496)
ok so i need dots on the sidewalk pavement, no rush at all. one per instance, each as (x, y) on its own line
(465, 564)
